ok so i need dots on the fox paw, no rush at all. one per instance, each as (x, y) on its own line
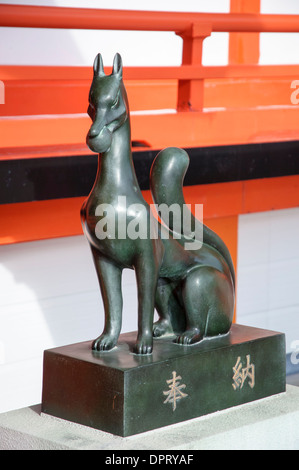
(105, 342)
(190, 336)
(144, 345)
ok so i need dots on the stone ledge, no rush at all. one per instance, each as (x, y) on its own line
(268, 424)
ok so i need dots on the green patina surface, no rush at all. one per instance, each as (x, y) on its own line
(125, 394)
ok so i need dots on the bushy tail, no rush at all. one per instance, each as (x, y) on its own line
(167, 178)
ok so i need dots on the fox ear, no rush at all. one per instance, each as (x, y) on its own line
(117, 66)
(98, 68)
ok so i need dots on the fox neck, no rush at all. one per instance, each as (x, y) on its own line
(116, 173)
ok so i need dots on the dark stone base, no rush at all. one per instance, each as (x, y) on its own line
(124, 394)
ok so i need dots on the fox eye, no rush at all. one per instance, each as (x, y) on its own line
(115, 102)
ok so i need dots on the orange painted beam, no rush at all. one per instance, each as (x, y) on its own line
(219, 200)
(208, 128)
(31, 97)
(45, 72)
(250, 93)
(61, 217)
(270, 194)
(183, 72)
(44, 130)
(28, 97)
(40, 220)
(218, 127)
(88, 18)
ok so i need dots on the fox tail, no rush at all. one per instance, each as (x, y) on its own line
(167, 177)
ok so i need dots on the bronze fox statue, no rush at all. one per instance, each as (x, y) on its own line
(191, 289)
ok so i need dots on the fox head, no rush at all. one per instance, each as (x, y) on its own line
(108, 104)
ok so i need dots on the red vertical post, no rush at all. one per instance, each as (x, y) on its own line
(244, 48)
(191, 92)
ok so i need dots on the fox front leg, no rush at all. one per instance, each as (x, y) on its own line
(146, 276)
(109, 276)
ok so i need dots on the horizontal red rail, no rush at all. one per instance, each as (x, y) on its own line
(85, 18)
(184, 72)
(29, 86)
(190, 72)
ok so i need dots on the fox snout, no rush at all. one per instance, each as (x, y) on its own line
(93, 132)
(95, 129)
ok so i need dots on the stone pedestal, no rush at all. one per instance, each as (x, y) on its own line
(124, 394)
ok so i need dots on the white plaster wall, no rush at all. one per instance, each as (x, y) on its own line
(279, 48)
(268, 272)
(49, 297)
